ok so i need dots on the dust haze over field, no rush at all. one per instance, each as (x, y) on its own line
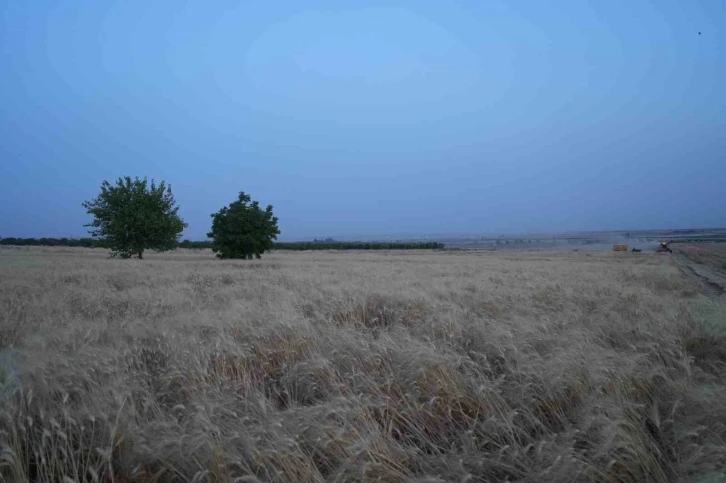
(358, 366)
(647, 240)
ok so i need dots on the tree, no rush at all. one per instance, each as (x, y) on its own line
(243, 229)
(132, 217)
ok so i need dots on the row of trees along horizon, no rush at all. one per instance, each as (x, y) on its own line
(134, 215)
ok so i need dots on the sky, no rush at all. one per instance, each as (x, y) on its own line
(369, 118)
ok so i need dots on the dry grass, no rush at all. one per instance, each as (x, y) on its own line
(396, 366)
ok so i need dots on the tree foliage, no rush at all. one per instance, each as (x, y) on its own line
(133, 216)
(243, 229)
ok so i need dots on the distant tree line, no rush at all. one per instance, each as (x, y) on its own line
(199, 245)
(333, 245)
(196, 245)
(356, 245)
(54, 242)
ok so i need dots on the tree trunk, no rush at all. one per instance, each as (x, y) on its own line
(141, 252)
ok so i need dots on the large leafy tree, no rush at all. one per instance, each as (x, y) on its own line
(133, 216)
(243, 229)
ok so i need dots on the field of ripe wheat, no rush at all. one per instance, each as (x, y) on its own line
(358, 366)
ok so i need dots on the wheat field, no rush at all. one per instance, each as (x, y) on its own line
(358, 366)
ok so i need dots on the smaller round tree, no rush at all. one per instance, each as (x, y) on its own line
(243, 229)
(132, 216)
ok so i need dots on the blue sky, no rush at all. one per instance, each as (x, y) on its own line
(367, 118)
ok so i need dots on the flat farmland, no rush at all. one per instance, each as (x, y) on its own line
(359, 366)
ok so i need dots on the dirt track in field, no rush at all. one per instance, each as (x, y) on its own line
(701, 263)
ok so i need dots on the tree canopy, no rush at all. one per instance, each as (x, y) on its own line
(243, 229)
(133, 216)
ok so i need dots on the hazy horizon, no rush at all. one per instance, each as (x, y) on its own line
(602, 235)
(398, 117)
